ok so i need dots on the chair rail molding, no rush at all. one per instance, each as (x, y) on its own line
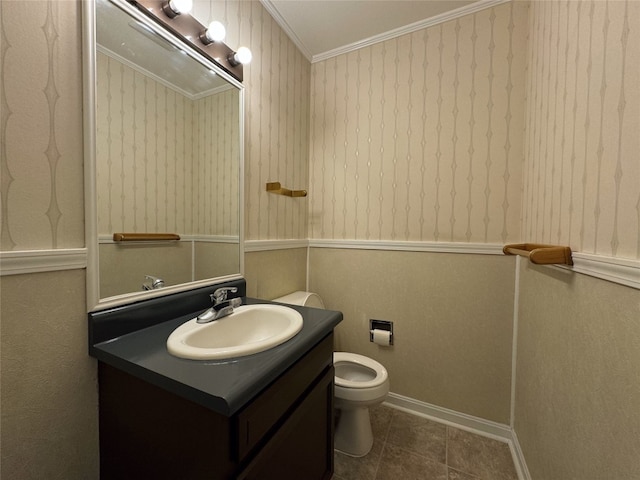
(36, 261)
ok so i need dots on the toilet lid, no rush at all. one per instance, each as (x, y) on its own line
(380, 374)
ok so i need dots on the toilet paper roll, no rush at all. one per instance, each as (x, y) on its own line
(381, 337)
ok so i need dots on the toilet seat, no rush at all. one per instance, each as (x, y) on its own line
(378, 372)
(360, 383)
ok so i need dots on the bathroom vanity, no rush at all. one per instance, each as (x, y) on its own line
(261, 416)
(266, 415)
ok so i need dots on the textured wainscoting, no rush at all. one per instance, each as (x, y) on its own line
(577, 379)
(49, 383)
(452, 314)
(274, 273)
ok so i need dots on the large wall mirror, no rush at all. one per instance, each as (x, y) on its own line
(164, 156)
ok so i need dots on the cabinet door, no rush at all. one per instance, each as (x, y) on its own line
(264, 415)
(303, 447)
(149, 433)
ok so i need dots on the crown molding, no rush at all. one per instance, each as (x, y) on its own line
(412, 27)
(275, 14)
(397, 32)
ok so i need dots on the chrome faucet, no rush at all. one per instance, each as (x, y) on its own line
(153, 283)
(221, 305)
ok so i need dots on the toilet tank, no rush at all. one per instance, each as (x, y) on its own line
(304, 299)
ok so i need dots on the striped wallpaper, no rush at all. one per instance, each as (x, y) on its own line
(41, 169)
(419, 138)
(215, 120)
(582, 138)
(165, 163)
(276, 117)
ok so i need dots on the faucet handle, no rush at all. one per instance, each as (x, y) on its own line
(154, 283)
(220, 295)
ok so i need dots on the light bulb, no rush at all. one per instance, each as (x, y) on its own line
(216, 31)
(180, 6)
(243, 56)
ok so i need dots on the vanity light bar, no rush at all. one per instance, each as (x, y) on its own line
(190, 31)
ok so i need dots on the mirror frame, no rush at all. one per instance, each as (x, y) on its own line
(94, 302)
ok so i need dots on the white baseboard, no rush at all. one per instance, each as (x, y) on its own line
(518, 458)
(479, 426)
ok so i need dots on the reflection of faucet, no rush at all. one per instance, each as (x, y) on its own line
(221, 306)
(153, 284)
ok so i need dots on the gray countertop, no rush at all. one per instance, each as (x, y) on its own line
(223, 386)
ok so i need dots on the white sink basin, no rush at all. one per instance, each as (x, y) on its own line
(249, 329)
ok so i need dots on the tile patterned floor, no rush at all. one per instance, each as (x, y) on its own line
(409, 447)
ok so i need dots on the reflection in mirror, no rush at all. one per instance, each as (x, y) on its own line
(167, 159)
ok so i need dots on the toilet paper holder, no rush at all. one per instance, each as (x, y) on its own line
(385, 325)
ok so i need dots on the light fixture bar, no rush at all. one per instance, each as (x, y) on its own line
(189, 30)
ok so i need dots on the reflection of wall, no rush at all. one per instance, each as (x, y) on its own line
(215, 165)
(174, 262)
(165, 163)
(123, 267)
(217, 258)
(144, 153)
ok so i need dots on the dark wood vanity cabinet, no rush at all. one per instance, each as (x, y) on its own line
(302, 448)
(285, 432)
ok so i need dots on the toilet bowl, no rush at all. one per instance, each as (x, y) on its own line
(360, 382)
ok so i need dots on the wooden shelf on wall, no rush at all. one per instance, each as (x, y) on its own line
(145, 237)
(275, 187)
(540, 254)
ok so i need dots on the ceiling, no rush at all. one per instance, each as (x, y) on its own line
(325, 28)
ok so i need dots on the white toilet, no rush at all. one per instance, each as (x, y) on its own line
(360, 382)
